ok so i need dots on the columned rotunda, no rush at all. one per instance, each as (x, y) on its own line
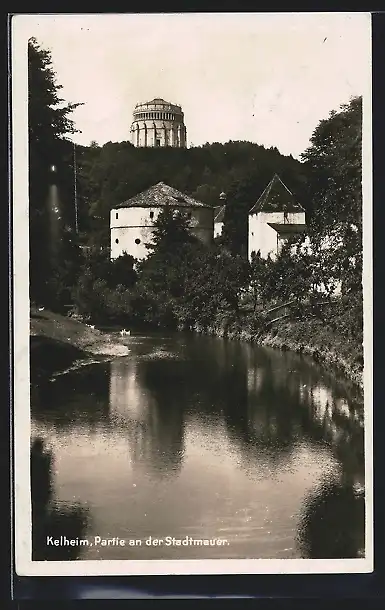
(158, 123)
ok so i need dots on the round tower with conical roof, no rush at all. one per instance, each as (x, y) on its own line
(158, 123)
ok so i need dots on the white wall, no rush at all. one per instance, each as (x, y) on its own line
(145, 133)
(264, 238)
(130, 224)
(261, 236)
(218, 228)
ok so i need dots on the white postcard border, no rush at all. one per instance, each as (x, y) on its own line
(21, 374)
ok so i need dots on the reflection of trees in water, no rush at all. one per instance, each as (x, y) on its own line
(159, 439)
(288, 401)
(49, 519)
(268, 399)
(332, 522)
(215, 379)
(77, 398)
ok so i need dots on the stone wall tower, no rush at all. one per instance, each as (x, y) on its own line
(158, 123)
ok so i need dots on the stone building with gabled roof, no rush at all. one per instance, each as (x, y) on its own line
(131, 221)
(274, 218)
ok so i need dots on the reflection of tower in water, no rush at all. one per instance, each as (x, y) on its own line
(154, 429)
(128, 401)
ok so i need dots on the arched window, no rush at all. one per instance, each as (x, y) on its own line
(116, 241)
(151, 214)
(116, 215)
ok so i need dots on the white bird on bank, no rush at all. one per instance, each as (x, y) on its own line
(92, 326)
(124, 332)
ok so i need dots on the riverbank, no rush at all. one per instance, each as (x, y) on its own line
(59, 343)
(310, 337)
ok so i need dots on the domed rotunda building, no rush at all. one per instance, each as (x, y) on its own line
(158, 123)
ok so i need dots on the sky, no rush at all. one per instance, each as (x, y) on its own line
(263, 77)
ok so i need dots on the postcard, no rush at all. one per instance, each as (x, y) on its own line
(192, 293)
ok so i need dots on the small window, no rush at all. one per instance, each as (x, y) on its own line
(137, 241)
(151, 214)
(116, 215)
(116, 241)
(188, 214)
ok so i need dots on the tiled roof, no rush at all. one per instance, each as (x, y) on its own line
(219, 213)
(287, 227)
(162, 194)
(276, 198)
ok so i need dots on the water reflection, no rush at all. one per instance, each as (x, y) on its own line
(77, 399)
(199, 436)
(332, 520)
(50, 519)
(142, 402)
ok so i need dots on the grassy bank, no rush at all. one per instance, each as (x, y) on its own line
(310, 337)
(59, 343)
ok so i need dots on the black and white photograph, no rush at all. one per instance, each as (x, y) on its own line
(192, 293)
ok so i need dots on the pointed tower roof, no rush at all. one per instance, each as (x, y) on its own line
(160, 195)
(276, 198)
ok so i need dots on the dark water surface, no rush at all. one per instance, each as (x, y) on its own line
(199, 437)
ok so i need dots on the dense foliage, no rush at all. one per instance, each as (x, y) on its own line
(183, 283)
(111, 174)
(334, 165)
(49, 174)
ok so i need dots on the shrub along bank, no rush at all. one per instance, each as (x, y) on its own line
(186, 285)
(310, 337)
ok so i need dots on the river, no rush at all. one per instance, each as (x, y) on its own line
(192, 437)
